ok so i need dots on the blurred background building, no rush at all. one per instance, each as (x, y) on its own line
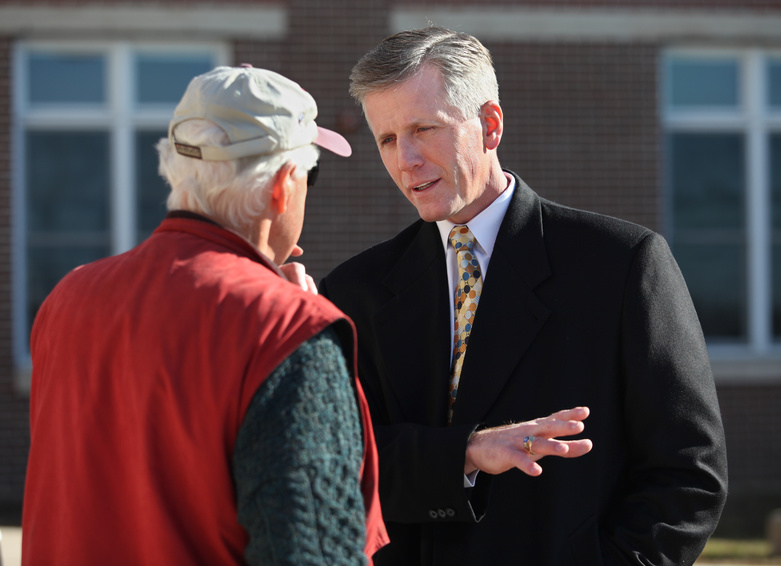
(666, 113)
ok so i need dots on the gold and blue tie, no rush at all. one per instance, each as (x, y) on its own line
(467, 295)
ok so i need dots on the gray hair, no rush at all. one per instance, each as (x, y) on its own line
(233, 193)
(465, 64)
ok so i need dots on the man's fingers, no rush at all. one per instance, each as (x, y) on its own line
(528, 465)
(575, 414)
(561, 448)
(496, 450)
(554, 428)
(310, 284)
(296, 273)
(561, 423)
(576, 448)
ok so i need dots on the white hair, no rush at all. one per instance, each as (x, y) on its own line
(233, 193)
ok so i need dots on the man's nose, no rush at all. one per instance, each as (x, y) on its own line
(409, 155)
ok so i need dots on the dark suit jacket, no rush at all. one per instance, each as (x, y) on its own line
(577, 309)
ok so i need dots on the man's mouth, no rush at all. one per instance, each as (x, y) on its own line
(423, 186)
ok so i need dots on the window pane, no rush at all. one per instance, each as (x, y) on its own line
(66, 79)
(774, 83)
(151, 189)
(707, 173)
(775, 188)
(67, 206)
(715, 275)
(706, 177)
(776, 258)
(164, 78)
(67, 181)
(703, 82)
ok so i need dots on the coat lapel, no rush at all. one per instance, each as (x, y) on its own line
(510, 315)
(413, 331)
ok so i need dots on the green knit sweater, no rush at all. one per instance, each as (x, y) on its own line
(297, 462)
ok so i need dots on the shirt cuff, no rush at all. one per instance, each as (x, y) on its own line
(469, 480)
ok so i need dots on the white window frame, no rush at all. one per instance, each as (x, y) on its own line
(118, 116)
(754, 119)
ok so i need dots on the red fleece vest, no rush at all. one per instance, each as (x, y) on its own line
(144, 365)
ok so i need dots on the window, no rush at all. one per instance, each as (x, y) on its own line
(722, 120)
(87, 117)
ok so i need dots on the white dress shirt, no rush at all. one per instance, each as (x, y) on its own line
(484, 227)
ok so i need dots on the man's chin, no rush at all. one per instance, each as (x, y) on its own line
(430, 214)
(432, 217)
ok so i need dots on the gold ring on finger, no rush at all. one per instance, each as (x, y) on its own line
(527, 443)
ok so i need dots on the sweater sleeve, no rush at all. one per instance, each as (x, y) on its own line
(297, 462)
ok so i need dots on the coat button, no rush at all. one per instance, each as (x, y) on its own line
(450, 512)
(441, 513)
(432, 513)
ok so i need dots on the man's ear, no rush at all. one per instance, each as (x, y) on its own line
(493, 123)
(281, 188)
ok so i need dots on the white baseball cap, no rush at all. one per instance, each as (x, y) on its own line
(261, 111)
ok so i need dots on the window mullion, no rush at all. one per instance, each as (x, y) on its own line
(123, 212)
(757, 207)
(18, 203)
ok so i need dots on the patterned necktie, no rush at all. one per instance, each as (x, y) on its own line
(467, 296)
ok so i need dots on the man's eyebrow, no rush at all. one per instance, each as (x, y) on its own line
(415, 124)
(381, 136)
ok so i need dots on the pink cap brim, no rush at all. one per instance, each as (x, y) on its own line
(334, 142)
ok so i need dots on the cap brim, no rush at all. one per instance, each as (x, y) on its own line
(334, 142)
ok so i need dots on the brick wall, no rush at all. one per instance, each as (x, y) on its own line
(581, 124)
(751, 421)
(355, 203)
(769, 5)
(14, 434)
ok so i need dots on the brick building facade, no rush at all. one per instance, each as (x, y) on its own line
(588, 122)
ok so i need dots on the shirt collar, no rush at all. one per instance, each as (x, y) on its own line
(484, 226)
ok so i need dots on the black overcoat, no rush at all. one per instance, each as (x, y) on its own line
(577, 309)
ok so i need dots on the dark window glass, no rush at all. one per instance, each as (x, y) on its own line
(67, 181)
(775, 191)
(163, 79)
(697, 82)
(774, 84)
(66, 79)
(151, 189)
(67, 206)
(709, 235)
(707, 180)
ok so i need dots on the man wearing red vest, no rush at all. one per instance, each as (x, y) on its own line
(189, 403)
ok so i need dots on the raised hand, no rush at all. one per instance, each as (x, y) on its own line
(496, 450)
